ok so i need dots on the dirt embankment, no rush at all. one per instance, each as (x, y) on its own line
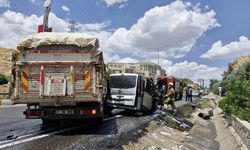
(5, 67)
(238, 62)
(173, 132)
(5, 61)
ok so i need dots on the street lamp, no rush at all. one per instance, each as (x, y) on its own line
(158, 52)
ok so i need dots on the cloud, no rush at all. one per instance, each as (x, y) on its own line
(164, 63)
(194, 71)
(113, 2)
(66, 9)
(127, 60)
(5, 3)
(178, 24)
(36, 2)
(96, 26)
(231, 50)
(123, 5)
(20, 25)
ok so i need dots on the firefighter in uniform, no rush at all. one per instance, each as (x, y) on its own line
(169, 98)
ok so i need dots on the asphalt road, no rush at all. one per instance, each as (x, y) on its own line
(18, 133)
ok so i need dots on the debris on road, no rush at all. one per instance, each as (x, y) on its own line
(11, 137)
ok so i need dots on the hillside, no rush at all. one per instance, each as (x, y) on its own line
(5, 61)
(238, 62)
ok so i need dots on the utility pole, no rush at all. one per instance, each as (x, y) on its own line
(158, 57)
(72, 26)
(158, 52)
(180, 73)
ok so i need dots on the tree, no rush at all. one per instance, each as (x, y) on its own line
(228, 71)
(3, 79)
(212, 82)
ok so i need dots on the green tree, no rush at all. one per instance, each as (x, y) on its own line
(228, 71)
(3, 79)
(212, 82)
(237, 99)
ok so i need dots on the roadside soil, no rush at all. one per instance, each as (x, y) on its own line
(167, 133)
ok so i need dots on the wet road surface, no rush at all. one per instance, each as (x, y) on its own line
(18, 133)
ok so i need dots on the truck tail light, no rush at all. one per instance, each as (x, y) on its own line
(88, 112)
(33, 113)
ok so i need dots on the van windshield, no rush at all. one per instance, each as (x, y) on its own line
(122, 82)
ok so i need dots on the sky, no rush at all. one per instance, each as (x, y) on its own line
(196, 39)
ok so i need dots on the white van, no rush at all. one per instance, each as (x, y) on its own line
(131, 91)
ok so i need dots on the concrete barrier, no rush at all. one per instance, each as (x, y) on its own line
(5, 102)
(8, 103)
(242, 128)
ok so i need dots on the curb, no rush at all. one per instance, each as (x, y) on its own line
(5, 102)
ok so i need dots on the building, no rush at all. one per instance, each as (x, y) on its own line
(148, 69)
(201, 82)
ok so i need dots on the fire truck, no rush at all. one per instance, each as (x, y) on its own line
(162, 86)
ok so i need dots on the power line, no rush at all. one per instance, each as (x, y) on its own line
(158, 52)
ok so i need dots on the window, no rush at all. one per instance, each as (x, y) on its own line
(122, 82)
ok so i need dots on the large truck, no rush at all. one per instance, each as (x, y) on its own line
(131, 92)
(59, 76)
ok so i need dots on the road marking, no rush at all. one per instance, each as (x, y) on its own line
(113, 117)
(37, 137)
(49, 134)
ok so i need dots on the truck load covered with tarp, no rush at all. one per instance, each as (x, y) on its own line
(60, 74)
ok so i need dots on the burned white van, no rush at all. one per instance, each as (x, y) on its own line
(132, 92)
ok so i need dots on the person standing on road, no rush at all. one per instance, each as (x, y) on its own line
(220, 90)
(187, 92)
(190, 94)
(169, 98)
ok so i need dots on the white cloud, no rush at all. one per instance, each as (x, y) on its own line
(5, 3)
(178, 24)
(36, 2)
(127, 60)
(19, 25)
(66, 9)
(113, 2)
(194, 71)
(231, 50)
(164, 63)
(96, 26)
(123, 5)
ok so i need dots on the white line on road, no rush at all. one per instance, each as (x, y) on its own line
(113, 117)
(49, 134)
(37, 137)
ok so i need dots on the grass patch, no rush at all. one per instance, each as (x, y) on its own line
(204, 104)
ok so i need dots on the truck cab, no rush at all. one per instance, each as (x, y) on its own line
(131, 91)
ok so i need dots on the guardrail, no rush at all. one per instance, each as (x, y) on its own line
(4, 99)
(243, 129)
(5, 102)
(4, 95)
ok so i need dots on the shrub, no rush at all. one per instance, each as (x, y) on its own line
(3, 79)
(215, 87)
(237, 99)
